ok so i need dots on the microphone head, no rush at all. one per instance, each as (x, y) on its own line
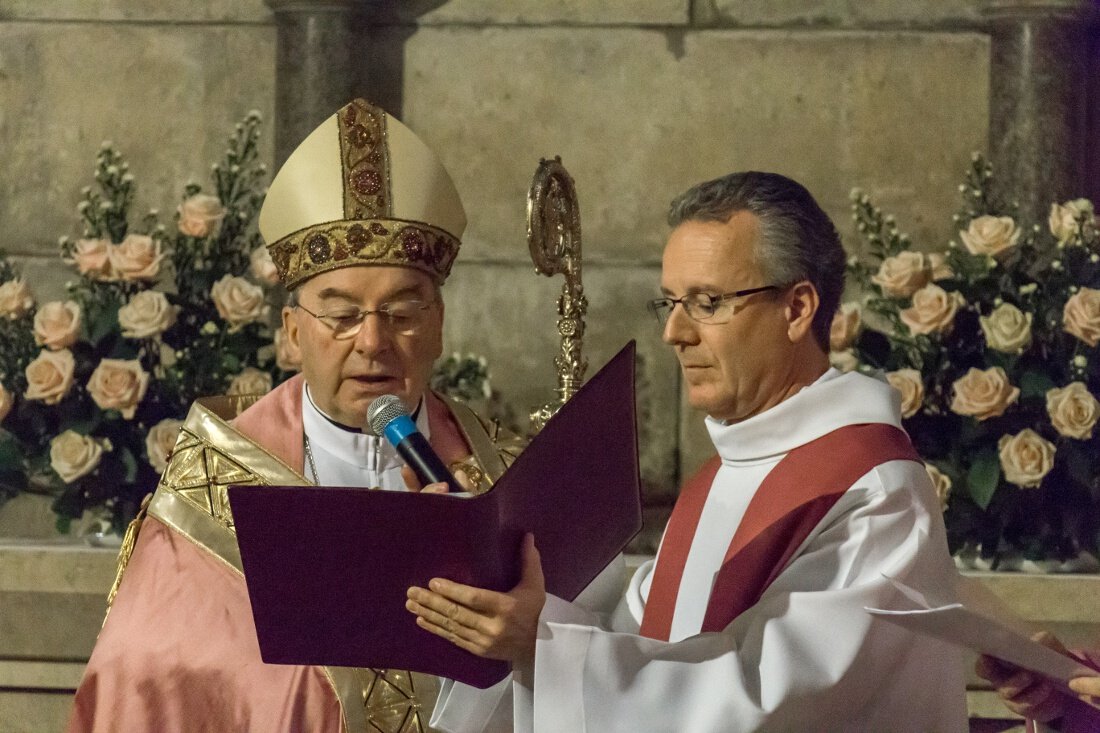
(382, 411)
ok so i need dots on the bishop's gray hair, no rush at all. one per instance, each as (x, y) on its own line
(797, 239)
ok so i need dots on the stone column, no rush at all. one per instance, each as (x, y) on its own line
(318, 64)
(1038, 100)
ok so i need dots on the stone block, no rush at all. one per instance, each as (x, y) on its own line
(837, 13)
(47, 276)
(508, 314)
(534, 12)
(167, 96)
(200, 11)
(25, 711)
(639, 115)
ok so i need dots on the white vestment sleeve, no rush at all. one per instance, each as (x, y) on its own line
(806, 657)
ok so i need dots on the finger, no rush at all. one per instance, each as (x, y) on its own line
(1050, 641)
(463, 480)
(453, 623)
(458, 641)
(480, 600)
(412, 483)
(1086, 686)
(1018, 685)
(992, 670)
(436, 488)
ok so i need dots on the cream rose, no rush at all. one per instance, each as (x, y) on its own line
(262, 266)
(250, 381)
(902, 275)
(1064, 218)
(983, 394)
(937, 263)
(50, 376)
(1007, 329)
(990, 235)
(119, 384)
(287, 357)
(933, 310)
(1025, 458)
(1081, 315)
(941, 482)
(910, 386)
(15, 299)
(92, 258)
(845, 361)
(147, 314)
(160, 441)
(238, 301)
(1073, 410)
(845, 326)
(7, 401)
(73, 455)
(201, 215)
(57, 324)
(138, 257)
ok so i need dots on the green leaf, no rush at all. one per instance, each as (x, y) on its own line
(1035, 384)
(983, 477)
(129, 464)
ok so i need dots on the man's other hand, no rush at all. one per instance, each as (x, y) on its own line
(484, 622)
(1025, 693)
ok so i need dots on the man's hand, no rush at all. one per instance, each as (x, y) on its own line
(1087, 688)
(484, 622)
(1025, 693)
(412, 483)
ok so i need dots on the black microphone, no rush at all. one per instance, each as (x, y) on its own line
(388, 416)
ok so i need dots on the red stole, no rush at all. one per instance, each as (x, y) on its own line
(793, 498)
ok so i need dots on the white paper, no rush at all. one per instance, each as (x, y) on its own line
(958, 624)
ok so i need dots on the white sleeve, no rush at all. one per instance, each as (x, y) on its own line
(805, 657)
(461, 708)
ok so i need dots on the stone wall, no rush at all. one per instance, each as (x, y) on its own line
(640, 98)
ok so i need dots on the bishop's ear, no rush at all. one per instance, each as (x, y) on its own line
(802, 304)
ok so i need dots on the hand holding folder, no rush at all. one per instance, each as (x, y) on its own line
(331, 591)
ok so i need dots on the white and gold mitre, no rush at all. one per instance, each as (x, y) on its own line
(362, 189)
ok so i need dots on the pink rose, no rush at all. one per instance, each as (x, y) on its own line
(1025, 458)
(262, 267)
(73, 455)
(933, 310)
(1073, 410)
(845, 326)
(287, 357)
(57, 324)
(16, 300)
(1081, 316)
(160, 441)
(238, 301)
(937, 263)
(1066, 220)
(910, 386)
(118, 384)
(7, 401)
(136, 258)
(902, 275)
(92, 258)
(50, 376)
(1007, 329)
(201, 215)
(250, 381)
(990, 235)
(983, 394)
(941, 482)
(147, 314)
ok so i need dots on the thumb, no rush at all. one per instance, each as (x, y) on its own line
(532, 565)
(412, 483)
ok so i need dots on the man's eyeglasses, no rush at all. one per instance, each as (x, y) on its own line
(704, 307)
(402, 317)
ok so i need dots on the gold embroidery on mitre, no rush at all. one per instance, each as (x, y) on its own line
(365, 159)
(322, 247)
(201, 473)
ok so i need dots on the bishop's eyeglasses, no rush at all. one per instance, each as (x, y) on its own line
(704, 307)
(402, 317)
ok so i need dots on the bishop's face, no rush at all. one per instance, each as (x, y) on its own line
(346, 375)
(736, 369)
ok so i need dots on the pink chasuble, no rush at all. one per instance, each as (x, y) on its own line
(178, 650)
(793, 498)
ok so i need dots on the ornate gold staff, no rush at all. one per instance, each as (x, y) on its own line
(554, 238)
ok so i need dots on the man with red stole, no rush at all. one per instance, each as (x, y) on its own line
(363, 224)
(752, 616)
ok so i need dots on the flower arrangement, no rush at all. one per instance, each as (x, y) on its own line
(93, 388)
(992, 345)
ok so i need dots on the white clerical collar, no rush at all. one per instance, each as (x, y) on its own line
(833, 401)
(353, 446)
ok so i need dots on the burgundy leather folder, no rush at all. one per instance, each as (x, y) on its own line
(327, 568)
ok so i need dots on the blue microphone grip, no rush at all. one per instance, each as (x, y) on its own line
(415, 450)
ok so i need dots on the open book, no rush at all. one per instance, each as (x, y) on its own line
(327, 568)
(975, 623)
